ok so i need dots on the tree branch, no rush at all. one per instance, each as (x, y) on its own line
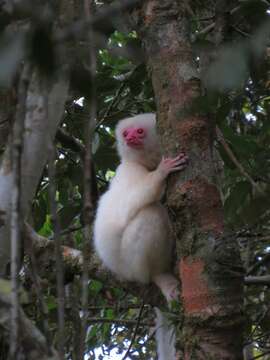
(233, 158)
(33, 343)
(58, 251)
(69, 141)
(82, 27)
(258, 280)
(258, 264)
(125, 322)
(38, 130)
(135, 332)
(16, 209)
(73, 263)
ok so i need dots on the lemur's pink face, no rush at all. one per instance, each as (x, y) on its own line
(134, 136)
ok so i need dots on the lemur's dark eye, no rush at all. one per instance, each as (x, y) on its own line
(140, 131)
(125, 133)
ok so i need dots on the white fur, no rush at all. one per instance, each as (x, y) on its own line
(150, 156)
(132, 231)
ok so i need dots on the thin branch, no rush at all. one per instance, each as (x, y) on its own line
(207, 29)
(256, 338)
(34, 345)
(71, 229)
(16, 211)
(117, 307)
(124, 322)
(89, 129)
(67, 155)
(258, 264)
(241, 32)
(69, 141)
(208, 18)
(221, 22)
(108, 110)
(135, 332)
(258, 280)
(211, 26)
(238, 165)
(75, 145)
(82, 27)
(124, 79)
(234, 10)
(58, 252)
(259, 320)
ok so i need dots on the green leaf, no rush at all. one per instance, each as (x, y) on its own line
(5, 287)
(109, 313)
(46, 229)
(51, 302)
(95, 287)
(239, 195)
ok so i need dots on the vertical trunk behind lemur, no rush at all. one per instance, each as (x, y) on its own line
(212, 296)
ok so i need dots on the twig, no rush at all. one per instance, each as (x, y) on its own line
(71, 230)
(70, 141)
(75, 145)
(207, 29)
(127, 76)
(241, 32)
(258, 264)
(258, 280)
(135, 332)
(231, 155)
(234, 10)
(118, 92)
(117, 307)
(208, 18)
(256, 338)
(259, 320)
(210, 27)
(124, 322)
(221, 22)
(67, 155)
(16, 213)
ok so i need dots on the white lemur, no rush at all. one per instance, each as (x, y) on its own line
(132, 233)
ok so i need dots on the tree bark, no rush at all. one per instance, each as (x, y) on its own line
(208, 259)
(44, 109)
(33, 344)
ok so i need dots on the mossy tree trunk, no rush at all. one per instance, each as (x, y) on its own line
(212, 294)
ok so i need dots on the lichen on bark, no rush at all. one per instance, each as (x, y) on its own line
(193, 198)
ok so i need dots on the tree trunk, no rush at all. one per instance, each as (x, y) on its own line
(209, 262)
(40, 128)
